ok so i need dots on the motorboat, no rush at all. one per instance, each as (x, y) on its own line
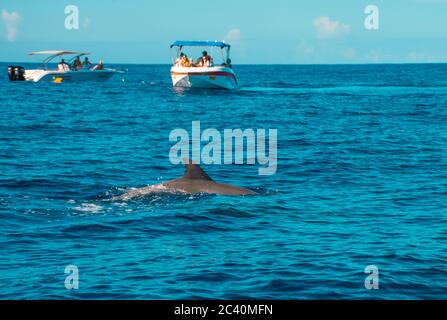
(205, 74)
(63, 72)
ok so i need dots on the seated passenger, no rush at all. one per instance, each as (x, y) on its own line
(204, 61)
(99, 66)
(63, 66)
(183, 61)
(178, 61)
(86, 64)
(77, 64)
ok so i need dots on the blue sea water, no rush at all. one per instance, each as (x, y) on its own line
(361, 180)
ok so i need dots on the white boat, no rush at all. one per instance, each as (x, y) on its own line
(62, 73)
(204, 76)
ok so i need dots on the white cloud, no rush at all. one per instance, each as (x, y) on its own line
(234, 35)
(11, 21)
(327, 28)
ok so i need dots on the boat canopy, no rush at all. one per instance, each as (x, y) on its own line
(56, 53)
(52, 54)
(219, 44)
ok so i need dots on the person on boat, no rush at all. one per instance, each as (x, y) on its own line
(99, 66)
(177, 62)
(77, 64)
(183, 61)
(86, 64)
(204, 61)
(201, 61)
(63, 66)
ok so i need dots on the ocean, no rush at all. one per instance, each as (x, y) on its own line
(361, 181)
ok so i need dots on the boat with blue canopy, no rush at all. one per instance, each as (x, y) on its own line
(204, 72)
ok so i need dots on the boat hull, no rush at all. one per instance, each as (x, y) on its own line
(64, 76)
(208, 77)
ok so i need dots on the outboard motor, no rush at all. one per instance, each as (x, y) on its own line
(16, 73)
(20, 73)
(11, 73)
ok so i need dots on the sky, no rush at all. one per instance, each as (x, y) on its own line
(261, 32)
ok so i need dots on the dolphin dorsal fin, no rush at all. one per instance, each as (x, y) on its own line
(194, 172)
